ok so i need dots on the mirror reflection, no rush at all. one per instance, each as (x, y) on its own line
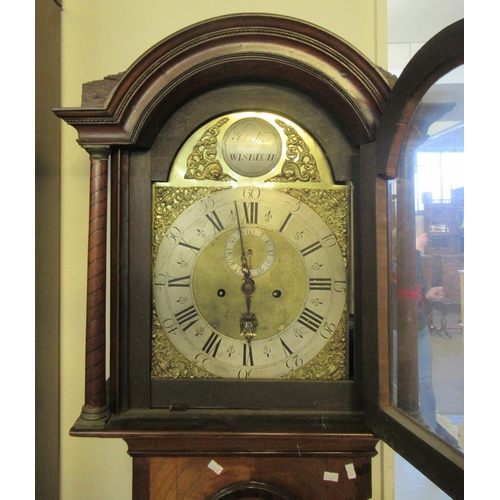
(427, 253)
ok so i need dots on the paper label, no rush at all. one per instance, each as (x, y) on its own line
(331, 476)
(215, 467)
(351, 473)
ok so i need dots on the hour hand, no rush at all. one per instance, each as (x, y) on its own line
(248, 320)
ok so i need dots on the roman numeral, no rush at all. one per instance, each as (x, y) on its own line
(215, 221)
(184, 281)
(288, 217)
(212, 344)
(288, 351)
(310, 319)
(247, 355)
(311, 248)
(187, 317)
(187, 245)
(320, 284)
(159, 280)
(251, 212)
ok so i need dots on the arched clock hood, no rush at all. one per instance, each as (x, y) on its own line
(129, 109)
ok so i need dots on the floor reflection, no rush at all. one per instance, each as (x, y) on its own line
(448, 382)
(448, 374)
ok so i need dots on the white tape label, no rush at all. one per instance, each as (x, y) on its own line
(331, 476)
(215, 467)
(351, 473)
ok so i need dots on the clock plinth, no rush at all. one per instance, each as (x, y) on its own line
(169, 478)
(196, 454)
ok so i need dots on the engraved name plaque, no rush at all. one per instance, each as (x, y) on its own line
(252, 147)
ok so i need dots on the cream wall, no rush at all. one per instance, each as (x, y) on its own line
(101, 38)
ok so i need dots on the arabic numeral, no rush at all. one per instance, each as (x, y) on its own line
(174, 234)
(245, 373)
(169, 326)
(294, 362)
(328, 330)
(330, 241)
(251, 193)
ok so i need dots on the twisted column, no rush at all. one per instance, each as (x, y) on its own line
(96, 407)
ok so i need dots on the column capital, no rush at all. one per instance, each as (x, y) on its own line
(98, 151)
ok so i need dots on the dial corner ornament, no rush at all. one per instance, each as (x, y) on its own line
(250, 283)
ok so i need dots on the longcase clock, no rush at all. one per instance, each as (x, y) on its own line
(232, 149)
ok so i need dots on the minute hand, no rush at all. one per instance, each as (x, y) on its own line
(244, 263)
(248, 320)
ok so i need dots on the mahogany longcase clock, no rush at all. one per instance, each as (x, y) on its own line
(237, 294)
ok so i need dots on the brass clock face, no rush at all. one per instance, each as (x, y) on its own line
(250, 274)
(293, 260)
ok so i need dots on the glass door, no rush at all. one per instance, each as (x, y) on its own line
(417, 402)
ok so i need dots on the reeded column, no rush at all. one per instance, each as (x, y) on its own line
(96, 407)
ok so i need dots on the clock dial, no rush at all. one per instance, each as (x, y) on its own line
(245, 259)
(260, 252)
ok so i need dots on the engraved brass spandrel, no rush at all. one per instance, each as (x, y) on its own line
(331, 362)
(168, 203)
(202, 163)
(333, 206)
(300, 164)
(167, 361)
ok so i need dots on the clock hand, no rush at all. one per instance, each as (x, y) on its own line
(244, 264)
(248, 320)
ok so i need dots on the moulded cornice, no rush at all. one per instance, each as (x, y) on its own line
(262, 48)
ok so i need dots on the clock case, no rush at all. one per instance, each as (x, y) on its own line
(136, 122)
(142, 118)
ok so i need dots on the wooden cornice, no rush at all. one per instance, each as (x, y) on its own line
(130, 108)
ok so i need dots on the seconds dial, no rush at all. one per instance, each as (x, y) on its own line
(260, 251)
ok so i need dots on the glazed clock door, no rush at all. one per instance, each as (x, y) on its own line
(416, 401)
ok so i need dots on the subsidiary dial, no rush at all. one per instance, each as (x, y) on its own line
(260, 251)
